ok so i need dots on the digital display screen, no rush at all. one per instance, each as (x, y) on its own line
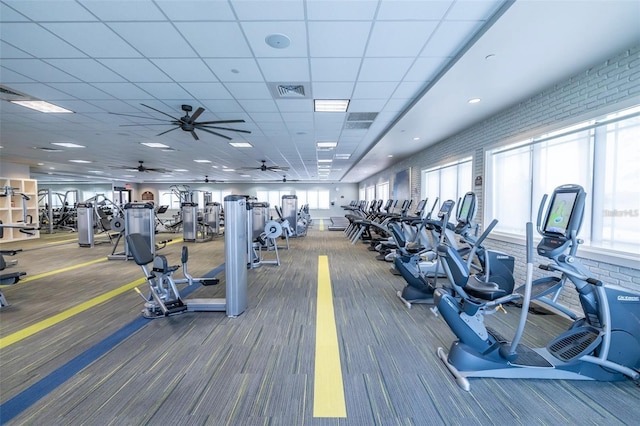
(466, 207)
(560, 212)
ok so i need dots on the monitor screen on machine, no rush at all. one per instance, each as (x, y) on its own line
(559, 216)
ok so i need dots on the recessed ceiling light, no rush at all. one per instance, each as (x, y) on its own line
(326, 144)
(342, 156)
(241, 144)
(390, 155)
(42, 106)
(228, 170)
(154, 145)
(245, 175)
(81, 161)
(325, 161)
(474, 100)
(202, 161)
(278, 41)
(416, 139)
(68, 144)
(330, 105)
(180, 170)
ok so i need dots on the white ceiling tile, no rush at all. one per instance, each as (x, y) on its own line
(299, 117)
(338, 39)
(450, 37)
(123, 91)
(125, 10)
(268, 10)
(247, 69)
(217, 106)
(136, 70)
(335, 69)
(215, 39)
(60, 10)
(267, 106)
(9, 76)
(284, 69)
(165, 90)
(396, 105)
(324, 10)
(399, 39)
(210, 10)
(10, 52)
(95, 39)
(7, 14)
(337, 90)
(207, 90)
(40, 42)
(38, 70)
(425, 68)
(295, 105)
(409, 89)
(473, 10)
(370, 90)
(366, 105)
(249, 90)
(83, 91)
(154, 39)
(412, 9)
(256, 32)
(185, 70)
(384, 69)
(86, 69)
(40, 91)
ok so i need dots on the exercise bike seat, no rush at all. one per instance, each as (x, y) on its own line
(484, 290)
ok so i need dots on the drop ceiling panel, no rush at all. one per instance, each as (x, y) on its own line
(40, 43)
(355, 10)
(10, 52)
(249, 90)
(51, 10)
(136, 70)
(338, 39)
(154, 39)
(450, 37)
(260, 10)
(335, 69)
(186, 10)
(38, 70)
(399, 39)
(412, 10)
(124, 91)
(207, 90)
(224, 39)
(86, 69)
(384, 69)
(124, 10)
(82, 91)
(337, 90)
(284, 69)
(256, 32)
(94, 39)
(185, 70)
(374, 90)
(235, 69)
(8, 76)
(258, 106)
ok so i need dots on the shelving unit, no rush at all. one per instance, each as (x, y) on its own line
(12, 207)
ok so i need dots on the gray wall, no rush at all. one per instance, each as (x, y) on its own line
(608, 86)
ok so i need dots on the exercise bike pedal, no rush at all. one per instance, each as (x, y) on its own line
(575, 343)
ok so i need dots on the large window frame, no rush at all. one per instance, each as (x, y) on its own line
(447, 181)
(599, 154)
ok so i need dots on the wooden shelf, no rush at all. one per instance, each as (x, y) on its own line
(12, 210)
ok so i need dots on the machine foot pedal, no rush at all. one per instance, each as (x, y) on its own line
(575, 343)
(210, 281)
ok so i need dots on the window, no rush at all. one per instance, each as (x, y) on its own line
(448, 182)
(382, 191)
(361, 193)
(315, 199)
(370, 193)
(600, 155)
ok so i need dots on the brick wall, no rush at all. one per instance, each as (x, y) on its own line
(605, 87)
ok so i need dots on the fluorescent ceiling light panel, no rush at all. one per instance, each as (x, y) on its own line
(180, 170)
(343, 156)
(326, 144)
(154, 145)
(228, 170)
(202, 161)
(81, 161)
(330, 105)
(42, 106)
(325, 161)
(241, 144)
(68, 144)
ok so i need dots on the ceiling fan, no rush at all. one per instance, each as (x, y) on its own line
(265, 168)
(187, 123)
(142, 168)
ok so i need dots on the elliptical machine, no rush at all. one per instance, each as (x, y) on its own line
(602, 346)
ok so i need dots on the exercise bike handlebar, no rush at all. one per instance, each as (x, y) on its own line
(581, 277)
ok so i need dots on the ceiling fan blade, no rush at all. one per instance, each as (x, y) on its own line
(214, 133)
(161, 112)
(194, 135)
(200, 126)
(221, 122)
(149, 124)
(196, 114)
(278, 169)
(138, 116)
(167, 131)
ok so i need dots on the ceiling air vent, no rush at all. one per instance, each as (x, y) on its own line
(358, 124)
(289, 91)
(362, 116)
